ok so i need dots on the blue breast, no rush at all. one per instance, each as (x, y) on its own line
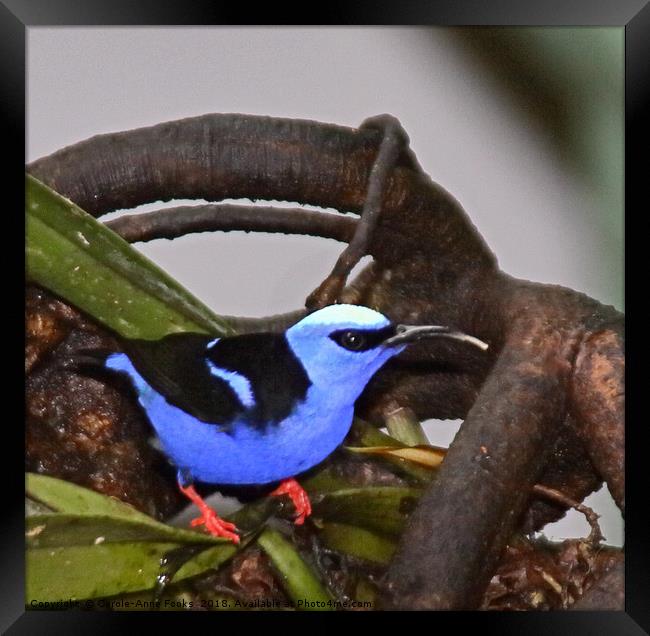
(244, 453)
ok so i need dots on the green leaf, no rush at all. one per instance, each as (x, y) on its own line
(358, 542)
(300, 583)
(81, 260)
(325, 479)
(97, 546)
(251, 517)
(404, 426)
(83, 515)
(427, 456)
(64, 496)
(365, 434)
(62, 530)
(81, 572)
(382, 509)
(97, 571)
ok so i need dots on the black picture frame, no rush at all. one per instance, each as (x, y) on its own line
(18, 15)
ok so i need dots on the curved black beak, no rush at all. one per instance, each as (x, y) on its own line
(405, 334)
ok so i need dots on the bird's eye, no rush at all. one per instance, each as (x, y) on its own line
(352, 340)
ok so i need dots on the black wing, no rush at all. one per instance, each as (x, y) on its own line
(175, 366)
(273, 370)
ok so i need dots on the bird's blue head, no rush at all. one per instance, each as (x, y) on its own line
(343, 346)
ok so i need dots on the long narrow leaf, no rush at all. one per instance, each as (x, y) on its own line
(88, 572)
(427, 456)
(367, 435)
(382, 509)
(61, 530)
(63, 496)
(358, 542)
(97, 546)
(300, 583)
(406, 428)
(78, 258)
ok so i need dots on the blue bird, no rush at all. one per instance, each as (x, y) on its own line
(261, 408)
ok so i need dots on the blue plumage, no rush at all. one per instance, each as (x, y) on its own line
(261, 408)
(241, 453)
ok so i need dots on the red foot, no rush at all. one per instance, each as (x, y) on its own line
(298, 496)
(216, 526)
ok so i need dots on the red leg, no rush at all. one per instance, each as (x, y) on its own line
(298, 496)
(216, 526)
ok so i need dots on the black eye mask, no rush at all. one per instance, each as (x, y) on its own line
(362, 339)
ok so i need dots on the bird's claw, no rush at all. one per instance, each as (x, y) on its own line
(216, 526)
(299, 498)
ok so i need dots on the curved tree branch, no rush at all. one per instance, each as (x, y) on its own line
(394, 142)
(497, 456)
(171, 223)
(216, 157)
(596, 535)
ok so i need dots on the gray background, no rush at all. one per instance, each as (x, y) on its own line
(523, 126)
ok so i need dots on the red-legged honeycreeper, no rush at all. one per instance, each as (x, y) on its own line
(262, 408)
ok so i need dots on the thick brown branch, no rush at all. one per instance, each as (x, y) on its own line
(170, 223)
(216, 157)
(570, 471)
(456, 535)
(598, 400)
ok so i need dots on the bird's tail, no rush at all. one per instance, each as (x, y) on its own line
(86, 358)
(88, 362)
(94, 363)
